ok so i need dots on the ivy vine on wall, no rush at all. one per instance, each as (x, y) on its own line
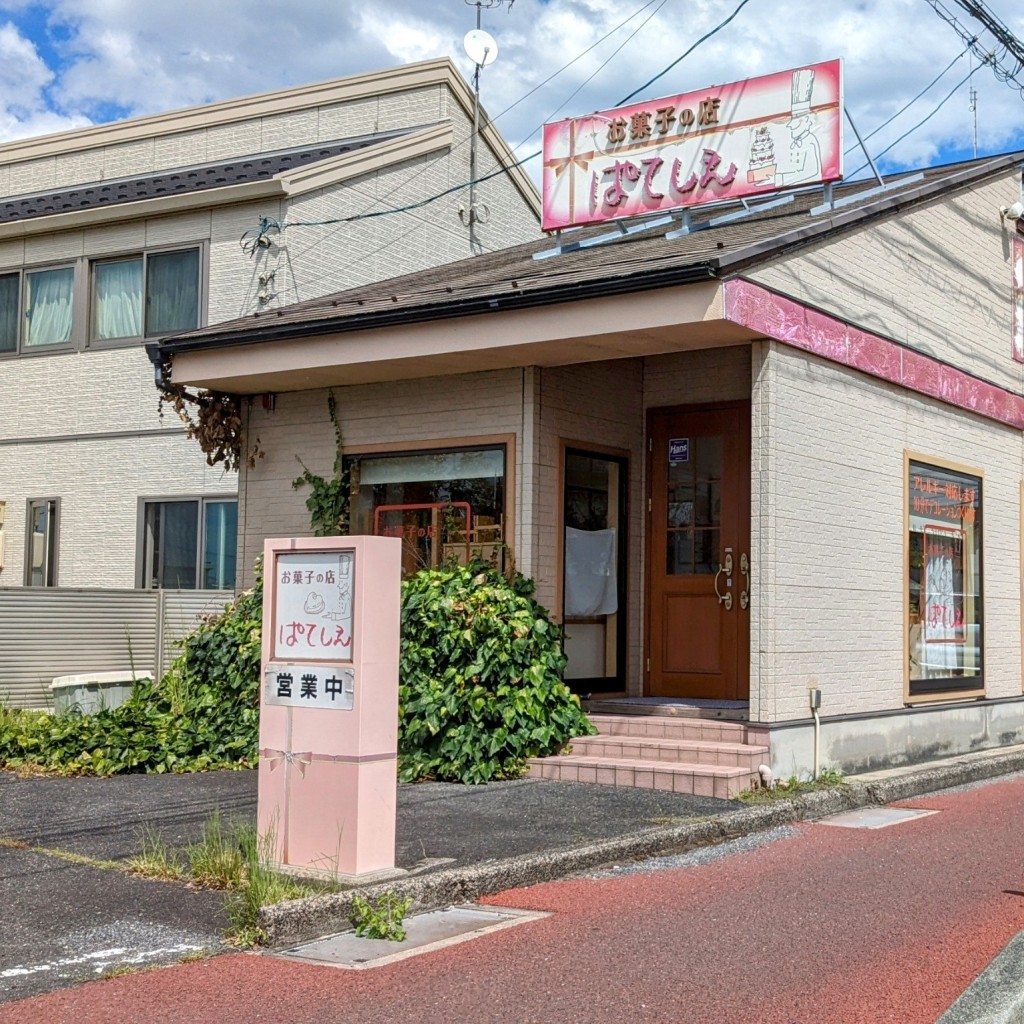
(328, 500)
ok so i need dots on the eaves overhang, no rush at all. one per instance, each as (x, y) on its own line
(489, 303)
(683, 314)
(293, 182)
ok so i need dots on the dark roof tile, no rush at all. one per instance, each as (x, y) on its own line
(179, 180)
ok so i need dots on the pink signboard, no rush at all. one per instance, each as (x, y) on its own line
(728, 142)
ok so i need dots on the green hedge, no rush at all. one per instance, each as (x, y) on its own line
(204, 714)
(481, 690)
(481, 677)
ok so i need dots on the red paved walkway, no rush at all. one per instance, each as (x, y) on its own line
(833, 926)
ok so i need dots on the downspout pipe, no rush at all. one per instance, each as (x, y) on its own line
(159, 366)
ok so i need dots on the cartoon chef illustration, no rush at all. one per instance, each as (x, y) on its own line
(804, 148)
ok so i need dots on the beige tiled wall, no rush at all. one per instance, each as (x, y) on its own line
(935, 278)
(829, 534)
(397, 415)
(109, 395)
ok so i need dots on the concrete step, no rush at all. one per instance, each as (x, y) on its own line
(663, 727)
(685, 751)
(719, 781)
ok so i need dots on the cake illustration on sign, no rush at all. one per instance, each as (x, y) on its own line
(762, 157)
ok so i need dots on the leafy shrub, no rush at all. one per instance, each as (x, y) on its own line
(481, 690)
(204, 714)
(481, 677)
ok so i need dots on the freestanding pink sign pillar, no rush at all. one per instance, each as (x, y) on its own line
(329, 704)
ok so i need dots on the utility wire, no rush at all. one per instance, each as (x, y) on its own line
(905, 108)
(250, 245)
(249, 241)
(703, 39)
(502, 170)
(1009, 43)
(963, 81)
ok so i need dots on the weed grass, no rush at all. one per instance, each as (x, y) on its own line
(232, 857)
(829, 778)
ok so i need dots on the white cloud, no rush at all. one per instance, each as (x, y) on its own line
(121, 55)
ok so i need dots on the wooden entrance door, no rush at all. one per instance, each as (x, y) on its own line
(698, 547)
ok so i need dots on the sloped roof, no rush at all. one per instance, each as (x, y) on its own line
(512, 278)
(180, 180)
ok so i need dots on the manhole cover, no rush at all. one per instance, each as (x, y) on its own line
(424, 932)
(874, 817)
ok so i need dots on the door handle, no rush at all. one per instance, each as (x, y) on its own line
(745, 570)
(725, 598)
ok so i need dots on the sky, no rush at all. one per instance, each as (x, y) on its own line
(69, 63)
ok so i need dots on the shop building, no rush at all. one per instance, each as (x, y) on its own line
(772, 453)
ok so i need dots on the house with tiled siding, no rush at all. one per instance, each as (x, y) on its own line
(764, 465)
(119, 234)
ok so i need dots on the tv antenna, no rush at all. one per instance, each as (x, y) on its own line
(482, 49)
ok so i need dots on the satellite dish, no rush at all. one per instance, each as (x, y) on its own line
(480, 47)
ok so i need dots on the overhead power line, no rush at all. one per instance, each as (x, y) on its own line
(502, 170)
(1007, 59)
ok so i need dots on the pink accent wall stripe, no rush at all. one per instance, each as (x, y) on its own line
(786, 320)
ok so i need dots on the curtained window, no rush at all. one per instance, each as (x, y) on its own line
(49, 307)
(155, 293)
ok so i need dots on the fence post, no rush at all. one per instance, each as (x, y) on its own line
(160, 609)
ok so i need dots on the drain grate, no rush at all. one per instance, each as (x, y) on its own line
(874, 817)
(424, 932)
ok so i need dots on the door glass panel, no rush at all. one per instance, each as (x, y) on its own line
(594, 503)
(694, 509)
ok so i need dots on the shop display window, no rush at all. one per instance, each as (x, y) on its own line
(944, 636)
(446, 505)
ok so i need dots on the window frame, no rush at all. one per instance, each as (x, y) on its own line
(143, 573)
(471, 442)
(52, 566)
(92, 262)
(21, 350)
(623, 458)
(973, 692)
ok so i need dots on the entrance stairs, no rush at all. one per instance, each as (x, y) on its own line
(700, 756)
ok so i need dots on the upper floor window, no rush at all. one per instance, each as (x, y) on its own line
(154, 293)
(110, 300)
(36, 309)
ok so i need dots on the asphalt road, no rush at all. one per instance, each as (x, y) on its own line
(820, 924)
(62, 922)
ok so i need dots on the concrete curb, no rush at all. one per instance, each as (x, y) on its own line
(997, 994)
(299, 920)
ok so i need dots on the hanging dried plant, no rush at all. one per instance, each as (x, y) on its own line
(214, 419)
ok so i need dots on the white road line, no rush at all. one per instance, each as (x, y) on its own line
(102, 957)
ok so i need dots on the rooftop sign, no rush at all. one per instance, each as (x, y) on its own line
(729, 142)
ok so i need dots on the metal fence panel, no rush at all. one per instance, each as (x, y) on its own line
(47, 632)
(182, 612)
